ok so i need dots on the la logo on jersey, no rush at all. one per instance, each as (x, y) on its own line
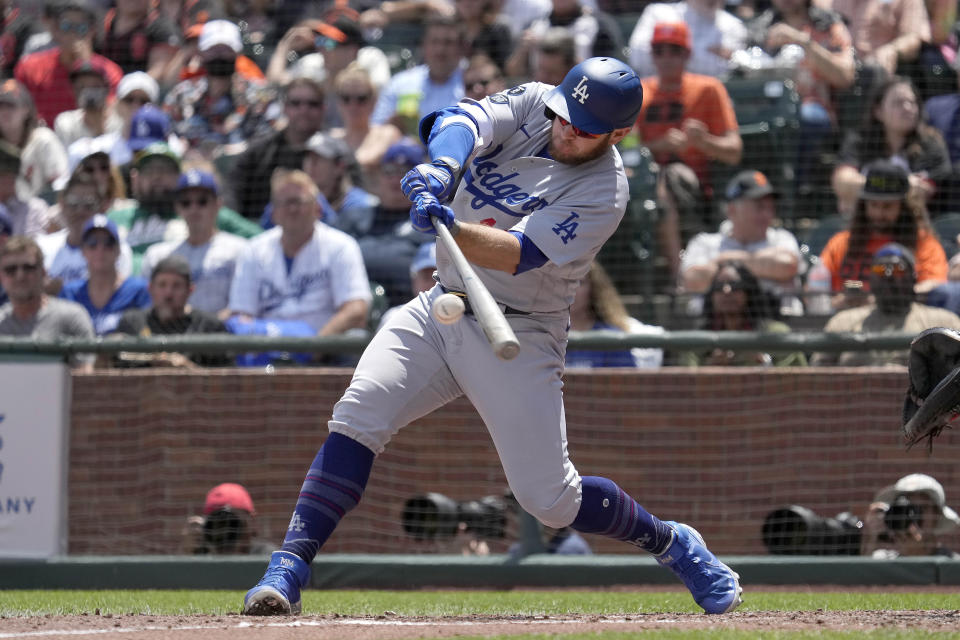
(580, 91)
(296, 523)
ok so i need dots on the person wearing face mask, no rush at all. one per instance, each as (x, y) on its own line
(94, 115)
(894, 309)
(221, 106)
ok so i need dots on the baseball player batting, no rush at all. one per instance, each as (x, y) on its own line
(539, 187)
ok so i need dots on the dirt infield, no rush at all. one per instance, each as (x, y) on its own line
(392, 627)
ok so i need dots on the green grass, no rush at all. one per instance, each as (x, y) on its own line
(454, 603)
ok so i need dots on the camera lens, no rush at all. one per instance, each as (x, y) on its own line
(902, 514)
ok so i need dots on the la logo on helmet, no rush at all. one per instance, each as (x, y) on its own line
(580, 91)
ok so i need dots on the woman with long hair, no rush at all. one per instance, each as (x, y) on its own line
(356, 96)
(737, 302)
(885, 212)
(892, 130)
(598, 307)
(42, 156)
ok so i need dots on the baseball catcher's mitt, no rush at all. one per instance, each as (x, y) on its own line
(933, 399)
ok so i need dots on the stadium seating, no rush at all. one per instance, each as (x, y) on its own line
(947, 227)
(767, 110)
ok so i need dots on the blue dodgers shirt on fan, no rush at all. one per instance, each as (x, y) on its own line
(131, 294)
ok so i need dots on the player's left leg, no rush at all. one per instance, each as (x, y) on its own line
(608, 510)
(400, 377)
(522, 405)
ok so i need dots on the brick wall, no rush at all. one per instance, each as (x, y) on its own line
(718, 448)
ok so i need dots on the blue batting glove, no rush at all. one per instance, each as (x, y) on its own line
(434, 178)
(424, 208)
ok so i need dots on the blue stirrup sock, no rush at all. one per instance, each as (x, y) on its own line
(333, 487)
(607, 510)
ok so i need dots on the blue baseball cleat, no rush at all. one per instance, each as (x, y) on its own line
(278, 592)
(714, 585)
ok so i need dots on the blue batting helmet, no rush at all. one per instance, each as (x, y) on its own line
(598, 95)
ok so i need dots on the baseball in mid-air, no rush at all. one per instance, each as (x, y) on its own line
(447, 308)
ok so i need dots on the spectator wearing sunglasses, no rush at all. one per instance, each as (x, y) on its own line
(94, 116)
(221, 106)
(356, 94)
(884, 213)
(482, 77)
(303, 105)
(715, 35)
(62, 250)
(894, 309)
(735, 301)
(46, 74)
(104, 293)
(330, 47)
(210, 253)
(687, 121)
(31, 313)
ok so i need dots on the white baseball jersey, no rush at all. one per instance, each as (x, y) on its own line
(413, 364)
(327, 272)
(568, 211)
(66, 262)
(211, 267)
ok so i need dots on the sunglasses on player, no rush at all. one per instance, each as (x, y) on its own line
(580, 133)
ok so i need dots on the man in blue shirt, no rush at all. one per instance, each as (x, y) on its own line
(104, 294)
(437, 83)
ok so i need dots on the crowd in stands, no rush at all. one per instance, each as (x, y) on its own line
(184, 166)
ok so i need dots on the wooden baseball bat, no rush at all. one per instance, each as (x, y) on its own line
(486, 310)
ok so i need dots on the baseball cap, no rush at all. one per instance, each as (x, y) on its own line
(327, 146)
(196, 179)
(220, 32)
(895, 250)
(157, 149)
(424, 258)
(100, 221)
(149, 124)
(884, 181)
(228, 495)
(749, 184)
(922, 483)
(138, 81)
(671, 33)
(405, 151)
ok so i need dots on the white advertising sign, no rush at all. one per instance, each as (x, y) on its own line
(34, 417)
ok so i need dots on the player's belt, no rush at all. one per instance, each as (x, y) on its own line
(467, 309)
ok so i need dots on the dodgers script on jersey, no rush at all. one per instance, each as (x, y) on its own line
(568, 211)
(327, 272)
